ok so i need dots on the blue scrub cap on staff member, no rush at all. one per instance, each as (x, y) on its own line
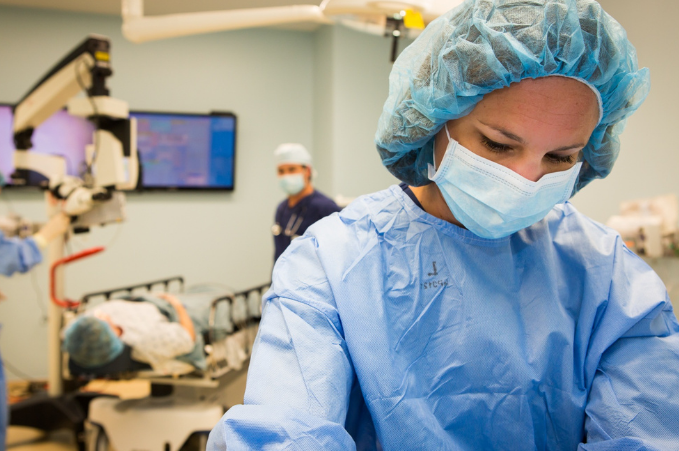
(485, 45)
(91, 342)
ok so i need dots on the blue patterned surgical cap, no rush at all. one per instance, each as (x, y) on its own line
(485, 45)
(90, 342)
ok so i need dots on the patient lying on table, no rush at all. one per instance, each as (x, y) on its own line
(98, 336)
(165, 331)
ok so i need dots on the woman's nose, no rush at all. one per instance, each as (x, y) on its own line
(528, 168)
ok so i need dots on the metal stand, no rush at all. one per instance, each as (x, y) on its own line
(55, 253)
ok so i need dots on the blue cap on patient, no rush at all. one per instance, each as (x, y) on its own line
(91, 342)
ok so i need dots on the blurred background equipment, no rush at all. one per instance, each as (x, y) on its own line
(649, 226)
(111, 160)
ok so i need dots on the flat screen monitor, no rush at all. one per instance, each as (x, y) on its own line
(177, 150)
(186, 151)
(61, 134)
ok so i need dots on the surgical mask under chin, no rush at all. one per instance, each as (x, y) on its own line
(291, 184)
(493, 201)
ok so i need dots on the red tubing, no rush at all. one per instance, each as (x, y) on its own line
(68, 303)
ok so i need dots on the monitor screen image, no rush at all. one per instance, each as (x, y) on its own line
(185, 151)
(177, 151)
(61, 134)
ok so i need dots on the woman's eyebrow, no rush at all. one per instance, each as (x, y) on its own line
(574, 146)
(508, 134)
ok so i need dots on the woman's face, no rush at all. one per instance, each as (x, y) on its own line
(107, 319)
(534, 127)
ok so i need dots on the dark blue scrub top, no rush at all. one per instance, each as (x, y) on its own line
(310, 209)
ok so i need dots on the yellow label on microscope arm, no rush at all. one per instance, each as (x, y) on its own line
(413, 19)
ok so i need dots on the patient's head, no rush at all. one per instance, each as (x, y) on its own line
(92, 342)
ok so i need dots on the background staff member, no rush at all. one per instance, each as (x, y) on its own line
(304, 205)
(20, 255)
(17, 255)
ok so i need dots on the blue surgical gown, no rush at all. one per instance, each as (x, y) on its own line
(387, 326)
(17, 255)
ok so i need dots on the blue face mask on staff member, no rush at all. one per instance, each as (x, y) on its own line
(491, 200)
(304, 205)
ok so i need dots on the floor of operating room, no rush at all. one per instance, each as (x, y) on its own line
(28, 439)
(21, 438)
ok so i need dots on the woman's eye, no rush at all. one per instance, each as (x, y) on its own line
(561, 159)
(495, 146)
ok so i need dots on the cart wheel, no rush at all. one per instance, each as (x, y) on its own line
(98, 440)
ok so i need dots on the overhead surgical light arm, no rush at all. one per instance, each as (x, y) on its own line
(138, 28)
(391, 18)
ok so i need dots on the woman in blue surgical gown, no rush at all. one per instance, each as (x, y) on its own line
(473, 307)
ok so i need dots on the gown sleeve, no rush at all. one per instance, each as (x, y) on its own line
(634, 400)
(18, 255)
(300, 375)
